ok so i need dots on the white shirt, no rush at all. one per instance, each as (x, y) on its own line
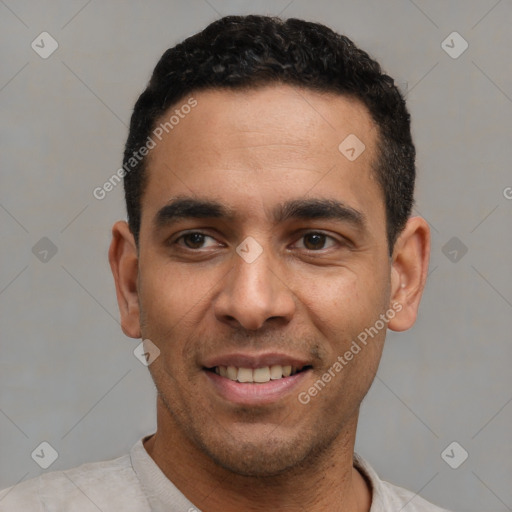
(134, 483)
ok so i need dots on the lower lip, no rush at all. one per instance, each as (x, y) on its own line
(255, 393)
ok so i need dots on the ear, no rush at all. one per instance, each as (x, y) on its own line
(409, 268)
(123, 259)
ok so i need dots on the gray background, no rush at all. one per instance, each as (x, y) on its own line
(68, 374)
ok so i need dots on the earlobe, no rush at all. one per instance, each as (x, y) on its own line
(409, 268)
(123, 261)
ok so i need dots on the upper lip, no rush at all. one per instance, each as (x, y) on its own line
(253, 361)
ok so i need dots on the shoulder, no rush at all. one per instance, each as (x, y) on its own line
(106, 485)
(407, 501)
(387, 497)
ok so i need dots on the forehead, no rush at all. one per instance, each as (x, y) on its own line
(251, 149)
(266, 119)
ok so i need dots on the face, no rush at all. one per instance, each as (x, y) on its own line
(262, 247)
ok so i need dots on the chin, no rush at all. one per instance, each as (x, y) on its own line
(252, 461)
(266, 458)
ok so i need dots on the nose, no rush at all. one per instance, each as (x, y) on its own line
(254, 293)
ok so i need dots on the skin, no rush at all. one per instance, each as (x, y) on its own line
(307, 297)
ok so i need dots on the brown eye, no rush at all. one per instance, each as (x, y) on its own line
(315, 241)
(192, 240)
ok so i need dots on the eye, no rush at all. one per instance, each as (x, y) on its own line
(193, 240)
(315, 240)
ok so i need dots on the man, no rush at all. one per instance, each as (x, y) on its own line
(269, 176)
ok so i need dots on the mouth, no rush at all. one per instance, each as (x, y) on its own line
(260, 375)
(256, 380)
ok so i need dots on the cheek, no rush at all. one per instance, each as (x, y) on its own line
(163, 305)
(338, 301)
(165, 292)
(173, 304)
(342, 307)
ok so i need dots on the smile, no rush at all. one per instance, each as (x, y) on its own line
(256, 375)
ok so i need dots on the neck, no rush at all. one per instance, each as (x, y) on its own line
(329, 482)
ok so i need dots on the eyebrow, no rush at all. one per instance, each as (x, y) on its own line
(183, 207)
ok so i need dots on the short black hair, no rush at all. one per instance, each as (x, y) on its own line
(243, 52)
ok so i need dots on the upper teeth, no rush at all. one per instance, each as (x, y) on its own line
(264, 374)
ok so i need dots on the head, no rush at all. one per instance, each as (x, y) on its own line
(257, 239)
(244, 52)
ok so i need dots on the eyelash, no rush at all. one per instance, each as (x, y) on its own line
(312, 232)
